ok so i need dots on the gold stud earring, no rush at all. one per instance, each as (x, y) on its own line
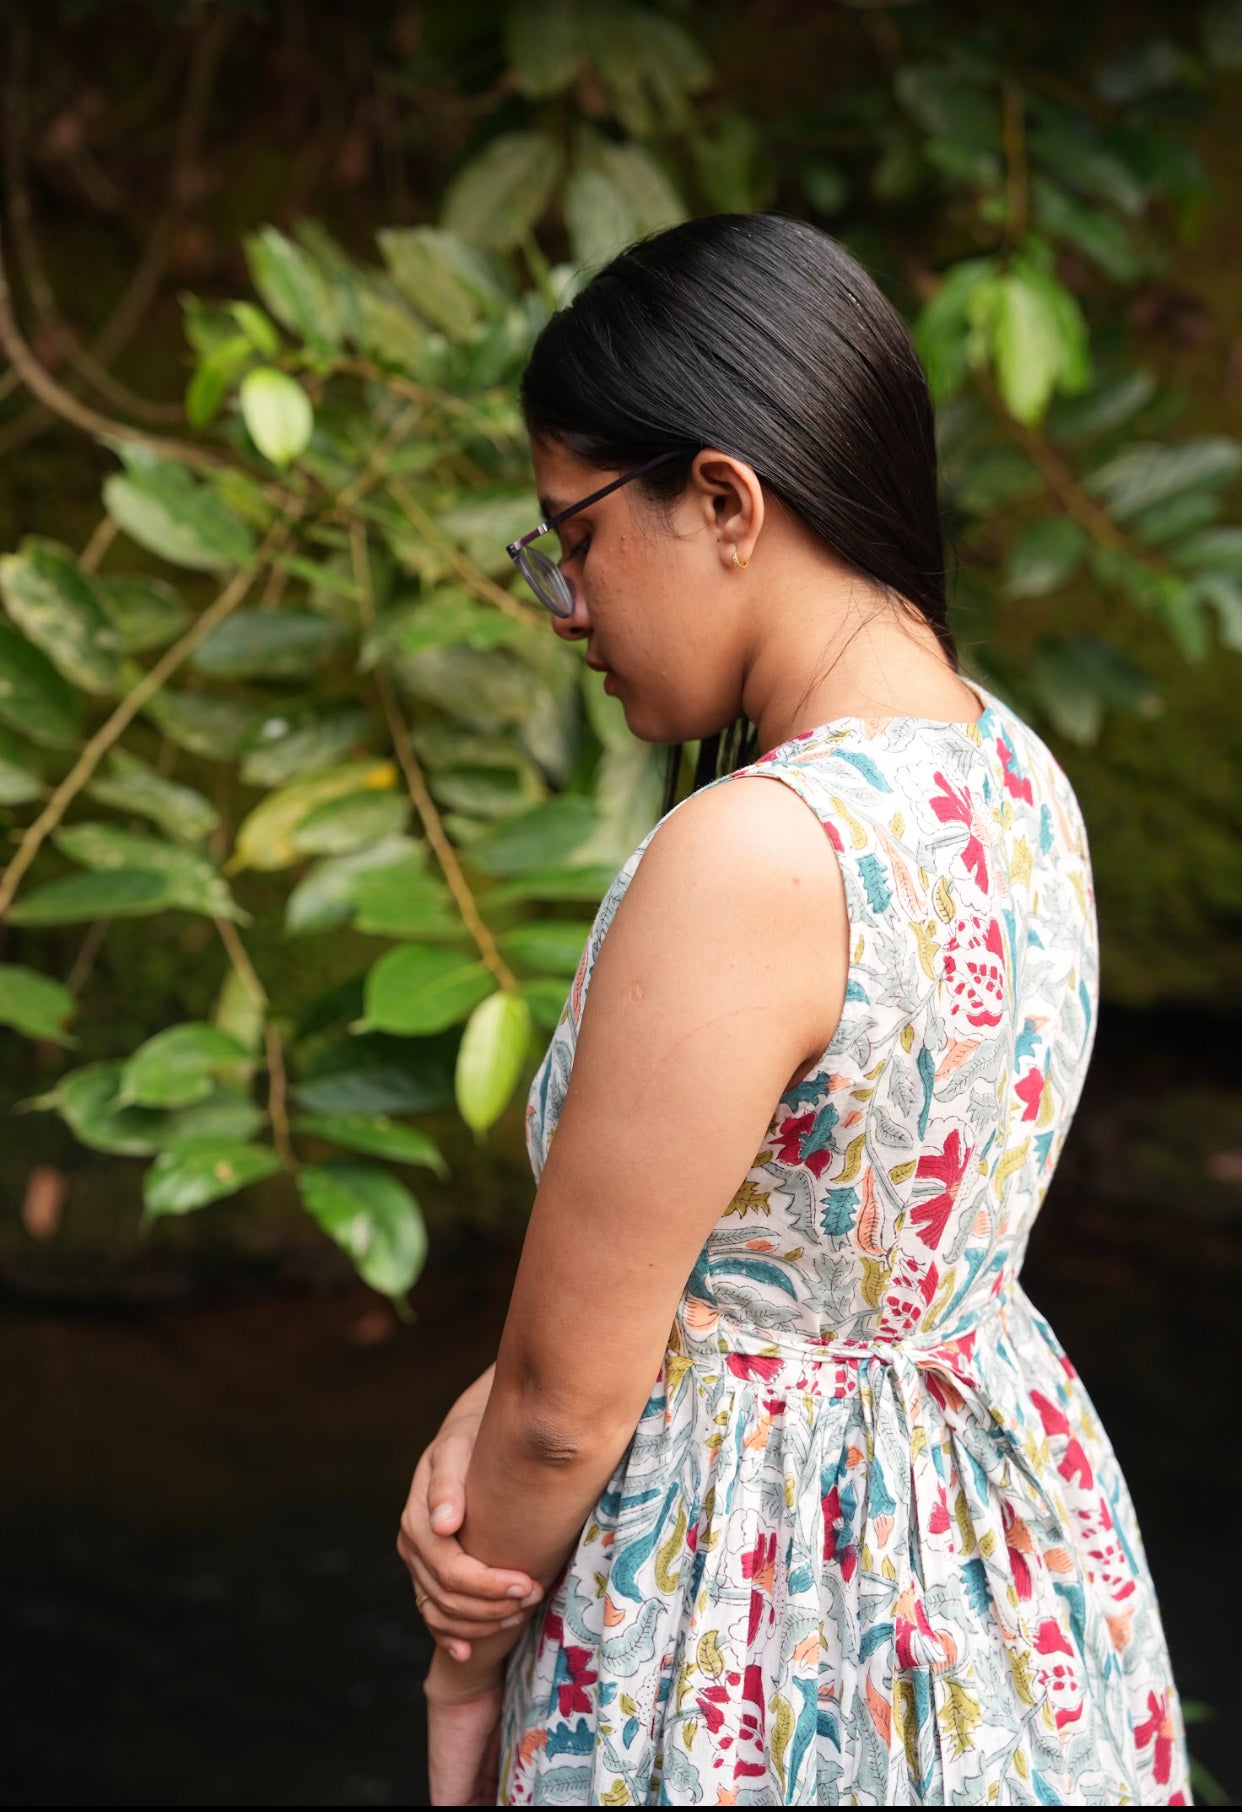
(740, 564)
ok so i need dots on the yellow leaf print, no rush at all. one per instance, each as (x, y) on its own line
(627, 1705)
(750, 1197)
(689, 1730)
(987, 1544)
(858, 836)
(1020, 1668)
(907, 1038)
(616, 1795)
(901, 1173)
(906, 1719)
(888, 1569)
(925, 937)
(1045, 1106)
(781, 1731)
(875, 1280)
(1013, 1160)
(961, 1512)
(709, 1657)
(667, 1554)
(897, 825)
(1021, 1764)
(853, 1160)
(959, 1713)
(1020, 866)
(943, 901)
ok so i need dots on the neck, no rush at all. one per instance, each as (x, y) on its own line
(878, 660)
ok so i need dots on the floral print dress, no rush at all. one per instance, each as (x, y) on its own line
(869, 1544)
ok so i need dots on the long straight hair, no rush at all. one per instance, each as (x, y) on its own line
(758, 335)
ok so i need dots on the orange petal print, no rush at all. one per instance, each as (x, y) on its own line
(1059, 1561)
(950, 1651)
(532, 1743)
(883, 1526)
(1119, 1628)
(1019, 1537)
(726, 1796)
(759, 1245)
(983, 1224)
(808, 1648)
(612, 1613)
(699, 1317)
(854, 1456)
(757, 1439)
(881, 1712)
(869, 1219)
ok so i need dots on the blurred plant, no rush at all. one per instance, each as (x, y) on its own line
(393, 745)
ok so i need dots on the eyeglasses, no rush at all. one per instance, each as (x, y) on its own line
(541, 572)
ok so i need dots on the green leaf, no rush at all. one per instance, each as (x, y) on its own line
(945, 325)
(552, 944)
(615, 195)
(33, 696)
(402, 901)
(536, 839)
(292, 746)
(324, 897)
(951, 105)
(161, 507)
(1077, 679)
(590, 882)
(277, 413)
(1146, 473)
(449, 282)
(376, 1136)
(213, 376)
(419, 989)
(649, 65)
(131, 786)
(1039, 341)
(487, 792)
(1139, 70)
(376, 1074)
(226, 1114)
(490, 1058)
(88, 1102)
(56, 608)
(192, 882)
(1044, 556)
(1223, 591)
(372, 1217)
(194, 1174)
(238, 1013)
(120, 893)
(484, 690)
(256, 327)
(275, 644)
(265, 839)
(144, 613)
(485, 523)
(294, 289)
(178, 1066)
(1101, 237)
(34, 1004)
(825, 185)
(504, 191)
(218, 728)
(354, 821)
(1220, 548)
(1103, 408)
(542, 46)
(448, 616)
(21, 778)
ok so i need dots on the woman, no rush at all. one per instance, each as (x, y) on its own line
(801, 1499)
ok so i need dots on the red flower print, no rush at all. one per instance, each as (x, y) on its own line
(710, 1702)
(789, 1146)
(1030, 1090)
(753, 1365)
(1021, 789)
(1160, 1726)
(948, 1167)
(572, 1694)
(974, 971)
(1074, 1463)
(957, 807)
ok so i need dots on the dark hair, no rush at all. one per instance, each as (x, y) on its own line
(759, 335)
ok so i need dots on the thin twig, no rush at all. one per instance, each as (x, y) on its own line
(465, 568)
(105, 533)
(1014, 134)
(1065, 487)
(277, 1075)
(114, 728)
(88, 950)
(63, 403)
(424, 804)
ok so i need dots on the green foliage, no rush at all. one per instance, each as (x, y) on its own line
(376, 739)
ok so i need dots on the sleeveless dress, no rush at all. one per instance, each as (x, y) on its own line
(869, 1544)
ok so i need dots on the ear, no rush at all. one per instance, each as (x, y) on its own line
(730, 499)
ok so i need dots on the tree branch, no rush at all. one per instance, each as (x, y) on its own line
(274, 1050)
(114, 728)
(415, 780)
(465, 568)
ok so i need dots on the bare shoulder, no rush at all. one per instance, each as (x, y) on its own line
(755, 835)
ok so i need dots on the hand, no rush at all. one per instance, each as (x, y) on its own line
(466, 1600)
(463, 1738)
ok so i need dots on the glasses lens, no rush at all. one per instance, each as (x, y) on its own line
(547, 581)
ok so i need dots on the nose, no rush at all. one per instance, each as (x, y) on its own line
(573, 627)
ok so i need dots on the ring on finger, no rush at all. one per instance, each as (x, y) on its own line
(421, 1595)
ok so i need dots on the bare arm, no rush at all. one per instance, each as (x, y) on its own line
(723, 971)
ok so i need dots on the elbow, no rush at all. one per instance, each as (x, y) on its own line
(559, 1438)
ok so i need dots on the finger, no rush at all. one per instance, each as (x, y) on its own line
(446, 1484)
(484, 1614)
(453, 1571)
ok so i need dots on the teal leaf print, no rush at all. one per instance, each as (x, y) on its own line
(839, 1211)
(874, 879)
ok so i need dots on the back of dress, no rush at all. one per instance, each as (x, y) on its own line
(869, 1544)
